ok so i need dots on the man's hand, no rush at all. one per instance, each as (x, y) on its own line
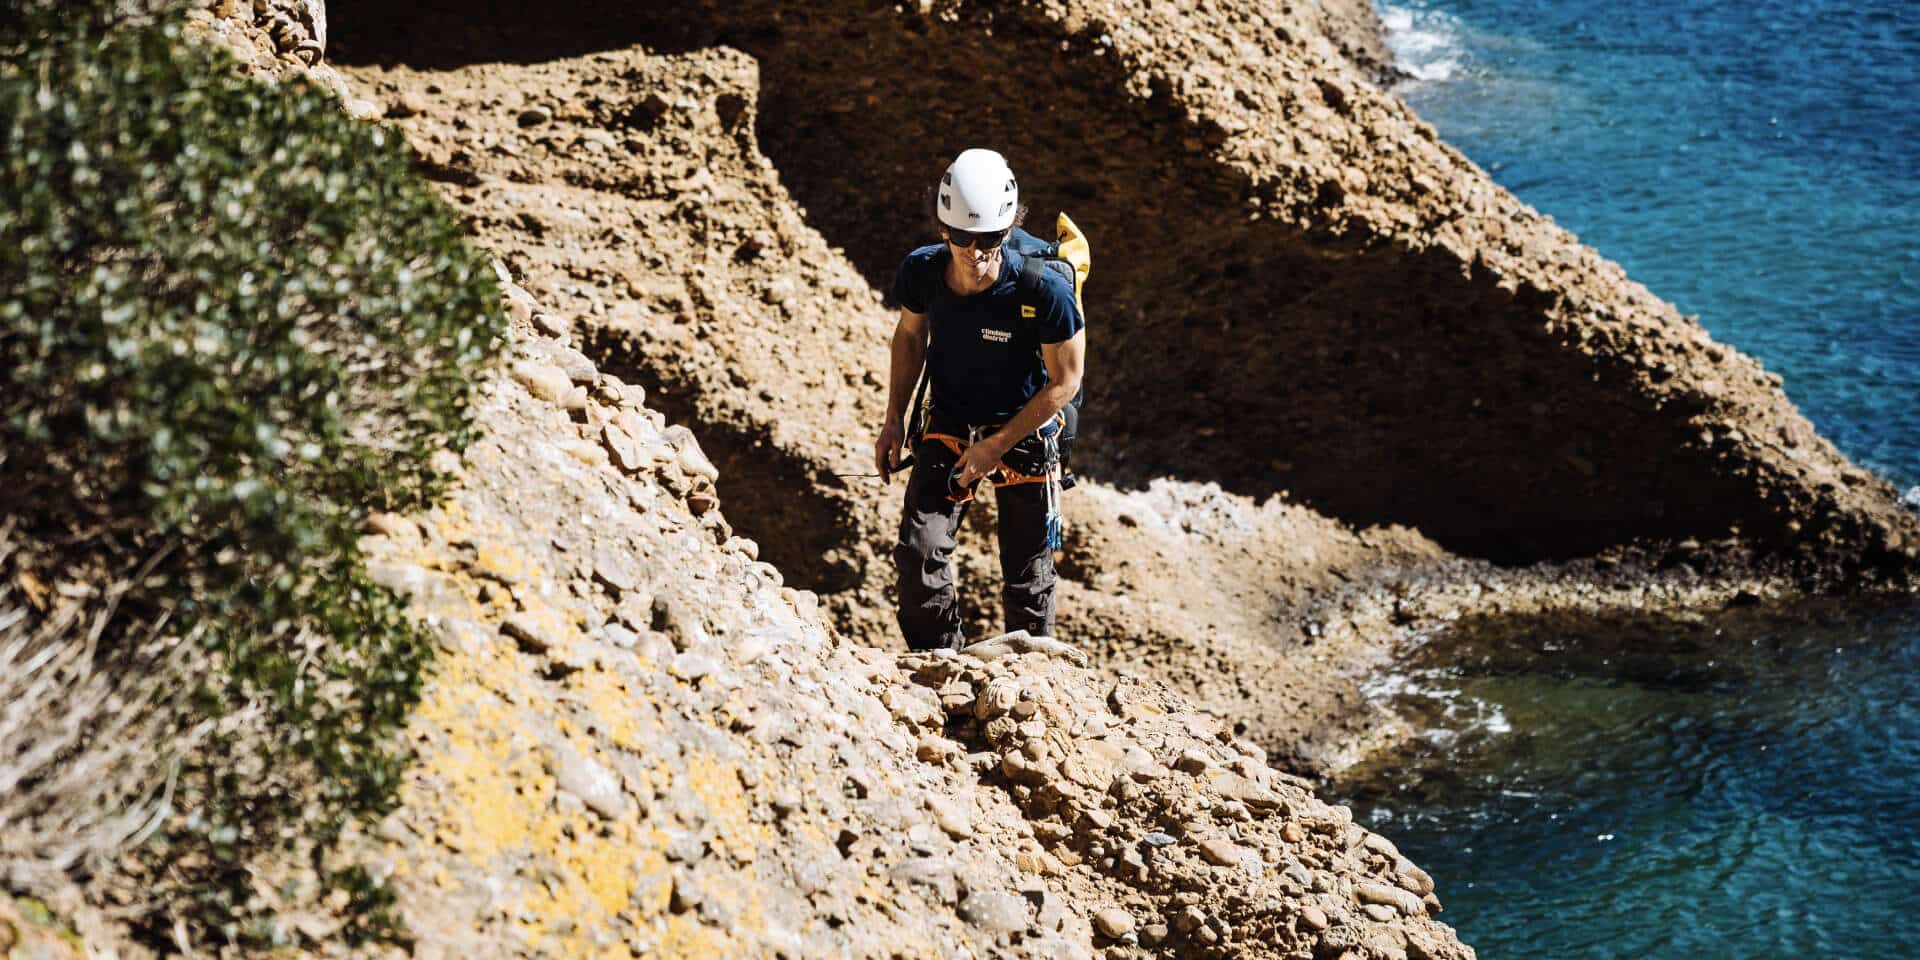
(979, 460)
(886, 450)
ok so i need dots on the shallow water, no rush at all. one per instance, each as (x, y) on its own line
(1679, 792)
(1740, 790)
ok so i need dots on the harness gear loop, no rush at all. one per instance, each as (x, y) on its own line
(1005, 476)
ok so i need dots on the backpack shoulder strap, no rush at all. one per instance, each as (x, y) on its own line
(1032, 268)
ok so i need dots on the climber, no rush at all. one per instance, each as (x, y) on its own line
(1003, 356)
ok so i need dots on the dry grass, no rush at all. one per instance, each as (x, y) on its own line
(88, 741)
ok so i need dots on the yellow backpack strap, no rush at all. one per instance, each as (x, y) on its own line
(1075, 250)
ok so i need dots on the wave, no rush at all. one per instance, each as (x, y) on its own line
(1433, 701)
(1427, 44)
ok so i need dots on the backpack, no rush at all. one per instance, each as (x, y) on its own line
(1071, 257)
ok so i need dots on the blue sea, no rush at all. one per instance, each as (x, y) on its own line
(1743, 788)
(1746, 787)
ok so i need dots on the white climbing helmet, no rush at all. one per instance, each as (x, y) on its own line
(978, 192)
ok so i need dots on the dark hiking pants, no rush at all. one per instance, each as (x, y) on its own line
(929, 527)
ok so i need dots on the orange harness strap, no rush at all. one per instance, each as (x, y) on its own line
(1001, 476)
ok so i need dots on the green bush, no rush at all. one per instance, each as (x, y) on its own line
(231, 320)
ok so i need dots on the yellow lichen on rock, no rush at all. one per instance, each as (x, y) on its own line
(483, 777)
(502, 562)
(593, 876)
(610, 698)
(717, 783)
(478, 776)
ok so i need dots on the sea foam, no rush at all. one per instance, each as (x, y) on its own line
(1426, 43)
(1436, 695)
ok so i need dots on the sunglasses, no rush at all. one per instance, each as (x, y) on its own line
(967, 238)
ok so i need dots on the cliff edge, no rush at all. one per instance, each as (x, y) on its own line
(1342, 387)
(1345, 384)
(1317, 295)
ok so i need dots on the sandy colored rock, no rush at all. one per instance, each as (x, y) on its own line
(537, 633)
(1371, 892)
(951, 817)
(997, 698)
(1114, 923)
(1220, 852)
(1193, 761)
(996, 912)
(935, 749)
(1020, 641)
(1413, 879)
(596, 786)
(543, 380)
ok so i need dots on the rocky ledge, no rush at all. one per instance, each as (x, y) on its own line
(659, 202)
(638, 739)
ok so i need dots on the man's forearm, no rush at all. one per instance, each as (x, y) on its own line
(1038, 410)
(907, 358)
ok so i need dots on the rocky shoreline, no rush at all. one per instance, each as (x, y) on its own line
(657, 731)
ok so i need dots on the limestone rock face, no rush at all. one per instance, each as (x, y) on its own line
(1318, 295)
(270, 36)
(638, 738)
(1317, 412)
(275, 39)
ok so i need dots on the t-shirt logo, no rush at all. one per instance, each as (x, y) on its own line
(995, 336)
(1027, 311)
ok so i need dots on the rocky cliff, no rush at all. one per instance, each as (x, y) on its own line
(1319, 296)
(640, 740)
(1338, 375)
(1354, 402)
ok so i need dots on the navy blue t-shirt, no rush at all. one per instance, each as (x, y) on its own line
(985, 354)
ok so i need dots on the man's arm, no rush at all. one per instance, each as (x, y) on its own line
(909, 354)
(1064, 361)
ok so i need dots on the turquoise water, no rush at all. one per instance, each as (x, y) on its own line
(1747, 789)
(1741, 789)
(1757, 163)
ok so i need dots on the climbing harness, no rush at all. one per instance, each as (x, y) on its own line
(1002, 475)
